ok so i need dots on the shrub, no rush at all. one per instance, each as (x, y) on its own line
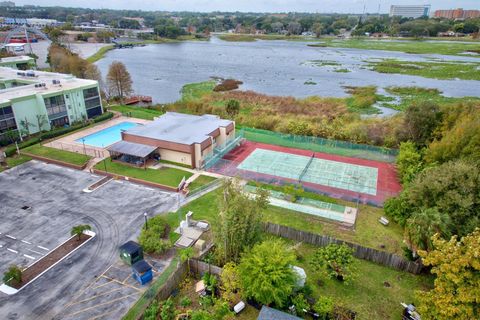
(300, 304)
(337, 260)
(167, 311)
(153, 239)
(185, 302)
(151, 312)
(324, 307)
(152, 243)
(103, 117)
(227, 85)
(13, 275)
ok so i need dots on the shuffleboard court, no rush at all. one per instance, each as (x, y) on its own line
(341, 175)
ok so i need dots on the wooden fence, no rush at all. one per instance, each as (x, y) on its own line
(370, 254)
(200, 267)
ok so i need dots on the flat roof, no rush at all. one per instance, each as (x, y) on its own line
(267, 313)
(67, 82)
(132, 149)
(180, 128)
(16, 59)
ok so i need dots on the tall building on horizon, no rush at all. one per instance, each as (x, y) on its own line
(406, 11)
(457, 14)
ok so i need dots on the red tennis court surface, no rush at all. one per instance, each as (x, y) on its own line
(387, 181)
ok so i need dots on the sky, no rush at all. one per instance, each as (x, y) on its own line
(320, 6)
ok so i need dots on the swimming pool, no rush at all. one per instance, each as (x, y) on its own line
(107, 136)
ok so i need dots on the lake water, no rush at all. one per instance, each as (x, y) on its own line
(271, 67)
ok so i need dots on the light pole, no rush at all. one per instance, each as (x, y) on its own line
(84, 149)
(146, 220)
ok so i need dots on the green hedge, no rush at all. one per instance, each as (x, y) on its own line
(12, 149)
(103, 117)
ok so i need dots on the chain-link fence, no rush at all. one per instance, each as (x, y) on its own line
(342, 148)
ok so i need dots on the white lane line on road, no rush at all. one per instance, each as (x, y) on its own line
(35, 252)
(11, 250)
(29, 257)
(11, 237)
(43, 248)
(25, 241)
(1, 246)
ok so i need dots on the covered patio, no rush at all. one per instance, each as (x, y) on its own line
(132, 153)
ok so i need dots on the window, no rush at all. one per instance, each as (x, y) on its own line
(93, 112)
(56, 107)
(59, 122)
(90, 93)
(7, 119)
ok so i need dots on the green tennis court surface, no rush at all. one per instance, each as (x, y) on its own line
(329, 173)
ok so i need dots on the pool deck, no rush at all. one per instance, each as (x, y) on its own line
(68, 142)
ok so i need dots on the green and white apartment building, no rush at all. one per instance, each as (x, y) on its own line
(32, 101)
(18, 62)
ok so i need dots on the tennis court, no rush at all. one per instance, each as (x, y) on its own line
(341, 175)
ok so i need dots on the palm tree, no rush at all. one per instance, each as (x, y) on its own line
(12, 275)
(423, 225)
(78, 230)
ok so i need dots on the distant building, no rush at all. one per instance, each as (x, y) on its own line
(7, 4)
(457, 14)
(18, 62)
(410, 11)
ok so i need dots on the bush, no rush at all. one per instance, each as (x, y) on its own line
(11, 150)
(151, 312)
(324, 307)
(337, 260)
(185, 302)
(227, 85)
(103, 117)
(300, 304)
(13, 275)
(152, 243)
(167, 311)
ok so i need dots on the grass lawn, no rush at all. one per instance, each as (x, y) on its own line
(366, 294)
(368, 231)
(408, 46)
(200, 182)
(56, 154)
(15, 160)
(166, 176)
(429, 69)
(195, 91)
(137, 112)
(100, 53)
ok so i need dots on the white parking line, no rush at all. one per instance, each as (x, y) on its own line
(29, 257)
(11, 250)
(43, 248)
(35, 252)
(149, 189)
(11, 237)
(25, 241)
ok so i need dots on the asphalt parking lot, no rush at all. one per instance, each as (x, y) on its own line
(39, 204)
